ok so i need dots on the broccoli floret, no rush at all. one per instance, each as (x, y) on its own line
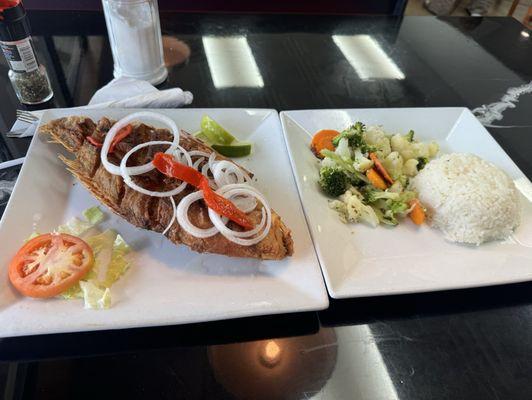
(410, 136)
(421, 162)
(372, 195)
(346, 166)
(353, 134)
(333, 181)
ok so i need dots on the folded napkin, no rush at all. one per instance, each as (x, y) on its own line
(121, 93)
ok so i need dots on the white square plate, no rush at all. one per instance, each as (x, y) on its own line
(358, 260)
(167, 284)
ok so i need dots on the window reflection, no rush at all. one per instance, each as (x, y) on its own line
(231, 62)
(367, 57)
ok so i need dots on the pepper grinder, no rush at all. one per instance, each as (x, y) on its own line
(28, 77)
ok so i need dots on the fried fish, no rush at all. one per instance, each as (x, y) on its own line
(77, 134)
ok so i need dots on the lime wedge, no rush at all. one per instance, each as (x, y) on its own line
(215, 132)
(199, 135)
(238, 149)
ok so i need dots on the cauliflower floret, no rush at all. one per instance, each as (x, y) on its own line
(362, 164)
(433, 149)
(375, 136)
(401, 144)
(341, 208)
(394, 164)
(351, 209)
(410, 167)
(421, 150)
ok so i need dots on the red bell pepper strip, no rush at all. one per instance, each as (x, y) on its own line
(166, 164)
(121, 135)
(93, 141)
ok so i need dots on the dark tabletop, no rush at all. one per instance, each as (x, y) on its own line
(464, 344)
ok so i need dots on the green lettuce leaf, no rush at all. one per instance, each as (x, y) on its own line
(93, 215)
(77, 227)
(94, 296)
(111, 261)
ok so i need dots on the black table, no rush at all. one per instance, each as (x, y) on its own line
(467, 344)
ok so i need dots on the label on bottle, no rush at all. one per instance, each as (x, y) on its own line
(20, 55)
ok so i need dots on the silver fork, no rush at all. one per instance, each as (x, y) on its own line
(26, 116)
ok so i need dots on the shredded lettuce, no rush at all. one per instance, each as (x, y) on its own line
(93, 215)
(75, 227)
(110, 263)
(111, 260)
(94, 296)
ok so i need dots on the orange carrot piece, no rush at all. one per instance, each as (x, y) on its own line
(375, 179)
(323, 140)
(417, 215)
(379, 167)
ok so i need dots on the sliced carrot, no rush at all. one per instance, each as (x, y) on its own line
(323, 140)
(375, 179)
(379, 167)
(417, 215)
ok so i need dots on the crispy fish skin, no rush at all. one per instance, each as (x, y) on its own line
(150, 212)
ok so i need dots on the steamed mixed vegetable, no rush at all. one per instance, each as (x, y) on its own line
(367, 171)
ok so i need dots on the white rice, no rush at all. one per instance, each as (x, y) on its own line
(469, 199)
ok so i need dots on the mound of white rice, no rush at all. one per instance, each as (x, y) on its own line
(469, 199)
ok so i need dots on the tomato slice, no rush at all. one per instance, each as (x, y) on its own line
(49, 264)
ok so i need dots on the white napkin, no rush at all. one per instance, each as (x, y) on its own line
(132, 93)
(122, 93)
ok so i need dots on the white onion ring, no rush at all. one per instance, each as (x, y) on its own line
(226, 173)
(141, 169)
(174, 216)
(205, 169)
(235, 236)
(198, 162)
(212, 159)
(179, 153)
(184, 221)
(245, 204)
(196, 153)
(231, 180)
(127, 178)
(244, 234)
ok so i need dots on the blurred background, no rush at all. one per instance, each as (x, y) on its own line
(516, 8)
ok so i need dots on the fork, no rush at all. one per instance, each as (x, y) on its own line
(26, 116)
